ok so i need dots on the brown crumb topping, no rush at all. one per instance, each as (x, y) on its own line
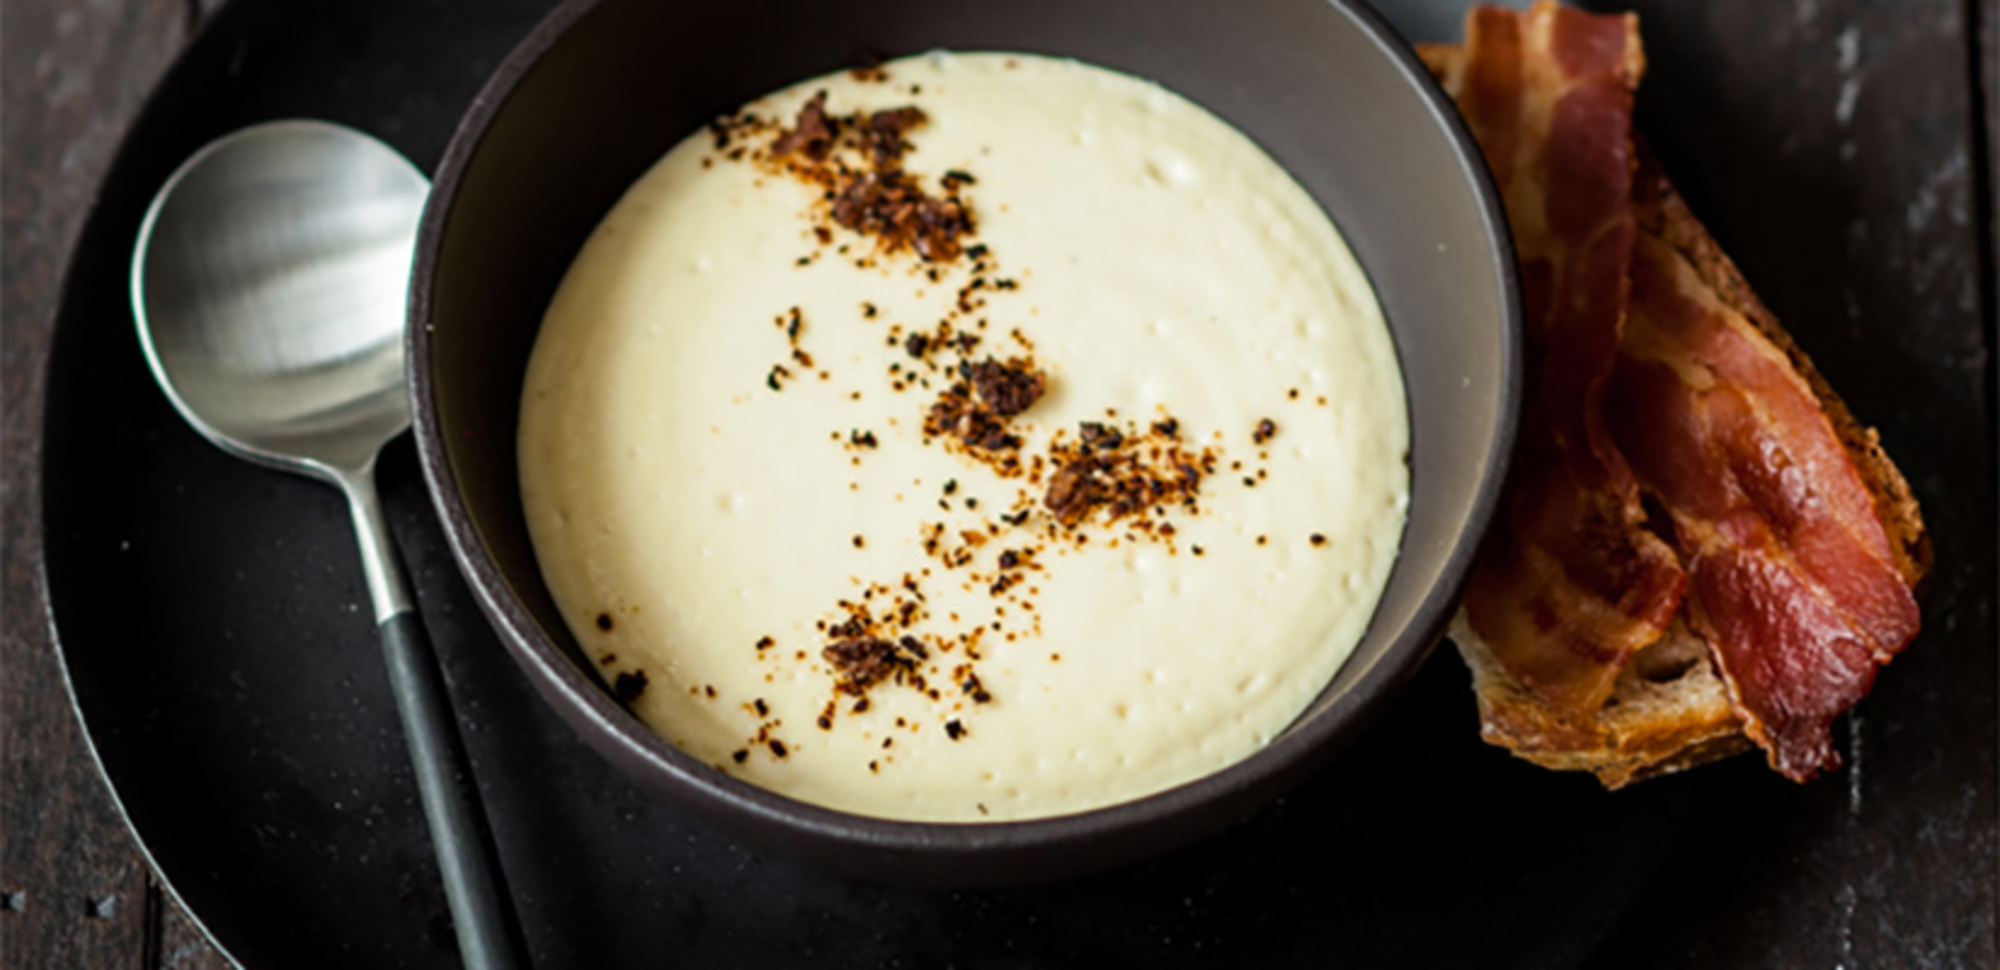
(1118, 479)
(971, 419)
(862, 662)
(869, 71)
(893, 207)
(1119, 475)
(882, 134)
(856, 160)
(628, 685)
(1006, 389)
(810, 135)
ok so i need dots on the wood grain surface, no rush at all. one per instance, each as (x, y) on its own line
(74, 890)
(1986, 82)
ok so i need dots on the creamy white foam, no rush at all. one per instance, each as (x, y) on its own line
(1163, 265)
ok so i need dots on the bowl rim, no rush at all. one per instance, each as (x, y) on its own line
(632, 747)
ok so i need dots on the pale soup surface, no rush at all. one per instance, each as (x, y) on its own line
(1037, 454)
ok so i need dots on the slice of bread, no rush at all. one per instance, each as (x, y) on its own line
(1671, 708)
(1668, 711)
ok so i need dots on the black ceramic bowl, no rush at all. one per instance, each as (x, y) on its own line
(604, 87)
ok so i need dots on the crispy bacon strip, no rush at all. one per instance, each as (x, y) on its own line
(1792, 576)
(1571, 583)
(1795, 585)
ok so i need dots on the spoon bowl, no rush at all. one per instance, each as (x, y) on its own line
(270, 281)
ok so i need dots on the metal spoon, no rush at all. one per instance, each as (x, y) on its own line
(269, 282)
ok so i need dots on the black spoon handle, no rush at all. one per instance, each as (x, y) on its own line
(489, 934)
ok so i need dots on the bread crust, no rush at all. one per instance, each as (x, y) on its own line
(1662, 716)
(1671, 708)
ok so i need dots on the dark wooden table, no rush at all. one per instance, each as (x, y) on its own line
(74, 891)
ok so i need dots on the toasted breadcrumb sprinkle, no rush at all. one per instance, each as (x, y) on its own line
(1121, 479)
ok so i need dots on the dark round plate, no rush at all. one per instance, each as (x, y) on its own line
(211, 615)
